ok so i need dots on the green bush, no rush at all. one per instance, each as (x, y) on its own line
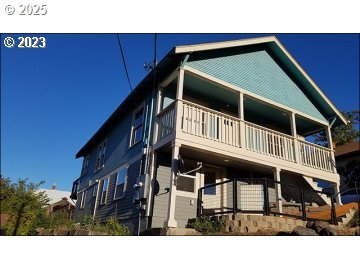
(205, 225)
(115, 228)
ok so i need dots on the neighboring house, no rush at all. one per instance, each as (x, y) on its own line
(59, 201)
(347, 157)
(242, 108)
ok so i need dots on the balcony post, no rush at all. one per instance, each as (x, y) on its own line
(242, 118)
(179, 97)
(294, 134)
(159, 97)
(330, 146)
(170, 220)
(278, 189)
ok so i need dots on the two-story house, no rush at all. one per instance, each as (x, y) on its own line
(217, 111)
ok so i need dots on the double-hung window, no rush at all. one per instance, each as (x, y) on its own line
(83, 199)
(137, 126)
(100, 157)
(104, 190)
(85, 165)
(120, 183)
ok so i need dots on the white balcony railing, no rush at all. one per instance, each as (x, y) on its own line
(315, 156)
(210, 124)
(216, 126)
(269, 142)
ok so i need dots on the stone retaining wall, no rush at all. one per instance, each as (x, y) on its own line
(252, 223)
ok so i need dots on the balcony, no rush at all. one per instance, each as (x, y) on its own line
(202, 127)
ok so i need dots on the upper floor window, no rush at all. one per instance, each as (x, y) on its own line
(100, 157)
(95, 188)
(83, 199)
(85, 165)
(120, 184)
(137, 126)
(104, 190)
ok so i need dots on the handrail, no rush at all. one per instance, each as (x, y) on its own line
(270, 130)
(315, 145)
(211, 110)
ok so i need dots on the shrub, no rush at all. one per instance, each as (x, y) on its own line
(115, 228)
(205, 225)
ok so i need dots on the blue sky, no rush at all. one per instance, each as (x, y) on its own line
(54, 99)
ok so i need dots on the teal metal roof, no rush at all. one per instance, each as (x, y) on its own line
(258, 72)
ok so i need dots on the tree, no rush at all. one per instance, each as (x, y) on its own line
(342, 134)
(23, 203)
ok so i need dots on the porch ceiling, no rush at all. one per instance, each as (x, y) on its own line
(220, 160)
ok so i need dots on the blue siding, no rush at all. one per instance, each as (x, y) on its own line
(257, 72)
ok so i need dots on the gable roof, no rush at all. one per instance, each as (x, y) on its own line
(175, 57)
(287, 60)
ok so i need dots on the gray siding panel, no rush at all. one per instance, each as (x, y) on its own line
(184, 210)
(162, 199)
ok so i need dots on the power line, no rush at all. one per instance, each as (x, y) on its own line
(123, 58)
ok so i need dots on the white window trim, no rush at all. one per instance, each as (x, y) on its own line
(196, 187)
(102, 190)
(97, 155)
(125, 166)
(142, 105)
(83, 198)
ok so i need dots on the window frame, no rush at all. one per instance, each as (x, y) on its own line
(100, 151)
(123, 167)
(95, 188)
(133, 128)
(102, 190)
(83, 199)
(189, 194)
(85, 165)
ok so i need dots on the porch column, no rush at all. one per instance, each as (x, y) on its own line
(157, 110)
(336, 191)
(278, 189)
(170, 221)
(294, 134)
(242, 118)
(330, 146)
(179, 97)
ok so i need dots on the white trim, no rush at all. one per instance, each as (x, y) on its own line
(137, 109)
(223, 44)
(259, 98)
(188, 194)
(253, 41)
(123, 167)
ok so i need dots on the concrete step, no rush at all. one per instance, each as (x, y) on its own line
(315, 186)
